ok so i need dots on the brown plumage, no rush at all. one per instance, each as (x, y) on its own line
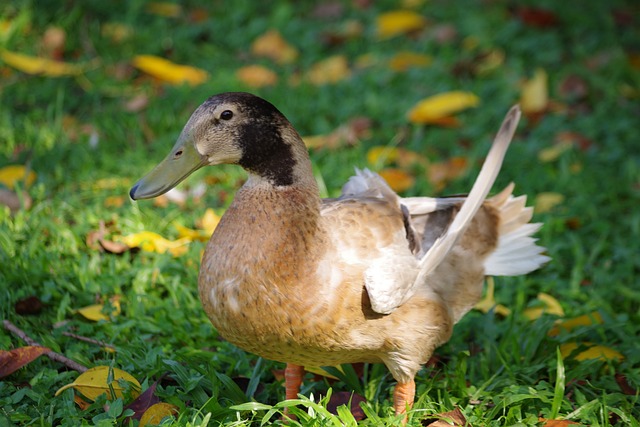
(366, 277)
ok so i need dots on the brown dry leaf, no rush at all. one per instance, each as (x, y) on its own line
(143, 402)
(534, 96)
(536, 17)
(95, 312)
(348, 134)
(402, 61)
(593, 351)
(489, 302)
(344, 398)
(550, 305)
(12, 360)
(397, 179)
(546, 201)
(157, 412)
(257, 76)
(113, 247)
(273, 46)
(399, 22)
(330, 70)
(136, 104)
(94, 382)
(437, 107)
(114, 201)
(14, 201)
(439, 174)
(168, 71)
(40, 66)
(53, 41)
(29, 306)
(567, 325)
(13, 174)
(624, 385)
(166, 9)
(447, 419)
(556, 423)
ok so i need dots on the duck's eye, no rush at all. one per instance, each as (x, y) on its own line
(226, 115)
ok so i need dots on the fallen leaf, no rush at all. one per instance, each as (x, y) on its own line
(573, 87)
(351, 399)
(40, 66)
(13, 174)
(397, 179)
(114, 201)
(534, 96)
(488, 303)
(555, 423)
(402, 61)
(143, 402)
(348, 134)
(137, 103)
(434, 108)
(624, 385)
(113, 247)
(190, 234)
(273, 46)
(28, 306)
(12, 360)
(209, 221)
(14, 201)
(567, 325)
(96, 312)
(116, 31)
(537, 17)
(153, 242)
(546, 201)
(256, 76)
(439, 174)
(53, 41)
(168, 71)
(593, 351)
(447, 419)
(550, 305)
(399, 22)
(94, 382)
(554, 152)
(329, 70)
(157, 412)
(166, 9)
(575, 139)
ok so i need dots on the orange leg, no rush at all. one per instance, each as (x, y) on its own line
(403, 396)
(292, 381)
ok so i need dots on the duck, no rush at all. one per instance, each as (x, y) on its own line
(368, 276)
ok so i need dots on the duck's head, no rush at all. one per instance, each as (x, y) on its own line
(233, 128)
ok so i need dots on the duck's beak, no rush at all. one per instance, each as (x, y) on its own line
(182, 161)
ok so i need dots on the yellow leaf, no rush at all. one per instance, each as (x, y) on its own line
(535, 94)
(593, 351)
(330, 70)
(35, 65)
(12, 174)
(382, 155)
(93, 383)
(113, 202)
(488, 302)
(95, 312)
(552, 153)
(402, 61)
(397, 179)
(166, 9)
(153, 242)
(437, 107)
(156, 413)
(550, 306)
(190, 234)
(209, 221)
(546, 201)
(273, 46)
(168, 71)
(116, 31)
(441, 173)
(256, 76)
(570, 324)
(398, 22)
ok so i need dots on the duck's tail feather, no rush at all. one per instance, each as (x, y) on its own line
(517, 252)
(476, 198)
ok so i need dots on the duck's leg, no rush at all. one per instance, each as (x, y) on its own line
(293, 380)
(403, 396)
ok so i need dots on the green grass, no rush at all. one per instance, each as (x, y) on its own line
(498, 371)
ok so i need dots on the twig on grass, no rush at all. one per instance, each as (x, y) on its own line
(50, 354)
(89, 340)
